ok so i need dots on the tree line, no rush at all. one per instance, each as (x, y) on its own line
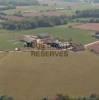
(7, 7)
(86, 16)
(19, 2)
(95, 1)
(87, 13)
(60, 97)
(31, 23)
(6, 98)
(67, 97)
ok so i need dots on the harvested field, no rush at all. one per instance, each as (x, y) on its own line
(30, 78)
(13, 18)
(88, 26)
(50, 13)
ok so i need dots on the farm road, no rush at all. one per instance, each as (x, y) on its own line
(86, 45)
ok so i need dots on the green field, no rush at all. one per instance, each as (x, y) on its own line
(25, 77)
(9, 39)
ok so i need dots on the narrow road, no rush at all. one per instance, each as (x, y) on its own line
(86, 45)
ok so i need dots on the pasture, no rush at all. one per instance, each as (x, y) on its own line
(25, 77)
(9, 39)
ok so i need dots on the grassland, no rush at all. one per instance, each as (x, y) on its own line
(9, 39)
(30, 78)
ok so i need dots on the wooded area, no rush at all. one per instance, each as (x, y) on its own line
(31, 23)
(19, 2)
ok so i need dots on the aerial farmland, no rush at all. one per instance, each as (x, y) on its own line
(70, 27)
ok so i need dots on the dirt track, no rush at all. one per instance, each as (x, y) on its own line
(87, 45)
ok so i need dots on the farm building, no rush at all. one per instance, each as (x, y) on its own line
(46, 41)
(32, 41)
(77, 47)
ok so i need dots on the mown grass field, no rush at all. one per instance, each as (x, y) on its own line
(30, 78)
(9, 39)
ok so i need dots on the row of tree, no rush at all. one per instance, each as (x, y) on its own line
(87, 13)
(6, 98)
(86, 1)
(43, 21)
(91, 16)
(7, 7)
(61, 97)
(90, 20)
(19, 2)
(86, 16)
(66, 97)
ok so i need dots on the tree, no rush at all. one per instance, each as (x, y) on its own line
(6, 98)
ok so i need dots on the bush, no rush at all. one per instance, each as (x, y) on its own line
(6, 98)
